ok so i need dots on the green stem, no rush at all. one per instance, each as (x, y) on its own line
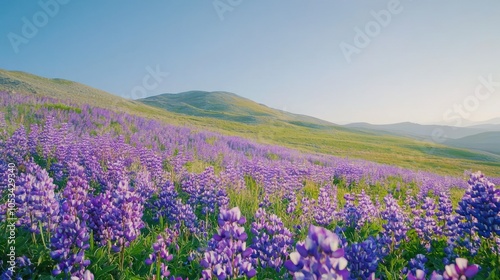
(158, 267)
(91, 240)
(122, 257)
(41, 233)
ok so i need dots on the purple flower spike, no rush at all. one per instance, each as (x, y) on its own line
(419, 275)
(228, 256)
(319, 257)
(460, 269)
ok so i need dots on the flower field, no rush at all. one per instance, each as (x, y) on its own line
(89, 193)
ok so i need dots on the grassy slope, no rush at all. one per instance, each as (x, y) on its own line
(226, 106)
(332, 139)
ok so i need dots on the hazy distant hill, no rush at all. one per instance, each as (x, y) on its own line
(228, 106)
(425, 132)
(495, 121)
(486, 141)
(482, 137)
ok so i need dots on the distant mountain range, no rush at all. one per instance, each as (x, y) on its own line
(468, 123)
(482, 137)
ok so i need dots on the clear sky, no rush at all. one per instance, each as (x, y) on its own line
(307, 57)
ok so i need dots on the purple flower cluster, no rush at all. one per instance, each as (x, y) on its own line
(319, 257)
(205, 190)
(426, 226)
(272, 241)
(326, 207)
(444, 213)
(351, 214)
(16, 146)
(480, 206)
(460, 270)
(24, 269)
(71, 237)
(161, 256)
(116, 216)
(171, 208)
(36, 200)
(395, 227)
(307, 207)
(415, 264)
(363, 259)
(69, 242)
(228, 258)
(367, 210)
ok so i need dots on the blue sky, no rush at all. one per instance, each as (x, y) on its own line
(422, 65)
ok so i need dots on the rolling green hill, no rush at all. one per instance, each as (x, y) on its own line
(227, 106)
(270, 127)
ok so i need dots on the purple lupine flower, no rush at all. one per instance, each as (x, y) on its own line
(24, 269)
(69, 242)
(460, 270)
(272, 241)
(428, 225)
(48, 138)
(395, 227)
(325, 210)
(71, 237)
(417, 275)
(366, 209)
(33, 139)
(206, 192)
(144, 185)
(351, 215)
(415, 264)
(169, 206)
(319, 257)
(265, 202)
(161, 256)
(478, 212)
(228, 257)
(36, 200)
(292, 205)
(116, 173)
(445, 212)
(480, 199)
(306, 206)
(363, 259)
(16, 146)
(116, 216)
(76, 191)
